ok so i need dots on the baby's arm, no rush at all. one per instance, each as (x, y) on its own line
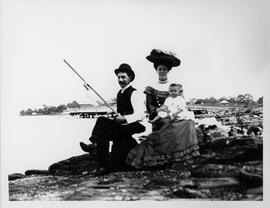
(180, 108)
(163, 111)
(163, 108)
(175, 114)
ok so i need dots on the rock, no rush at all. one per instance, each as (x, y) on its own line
(134, 185)
(250, 179)
(226, 194)
(158, 183)
(227, 169)
(208, 183)
(254, 197)
(253, 163)
(232, 141)
(258, 190)
(201, 135)
(185, 165)
(15, 176)
(112, 180)
(36, 172)
(74, 165)
(215, 170)
(188, 193)
(216, 133)
(84, 173)
(233, 149)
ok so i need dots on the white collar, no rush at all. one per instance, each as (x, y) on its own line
(123, 89)
(163, 82)
(161, 86)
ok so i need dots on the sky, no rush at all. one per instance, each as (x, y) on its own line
(224, 47)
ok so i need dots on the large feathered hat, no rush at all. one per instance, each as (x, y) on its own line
(167, 58)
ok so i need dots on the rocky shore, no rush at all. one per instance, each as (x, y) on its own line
(229, 168)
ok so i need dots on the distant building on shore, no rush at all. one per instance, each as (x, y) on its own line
(224, 102)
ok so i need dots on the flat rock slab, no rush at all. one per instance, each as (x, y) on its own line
(127, 186)
(215, 170)
(15, 176)
(207, 183)
(74, 165)
(36, 172)
(230, 150)
(250, 179)
(188, 193)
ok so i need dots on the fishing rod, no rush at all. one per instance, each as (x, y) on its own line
(87, 87)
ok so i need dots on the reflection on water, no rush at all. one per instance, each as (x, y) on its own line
(35, 142)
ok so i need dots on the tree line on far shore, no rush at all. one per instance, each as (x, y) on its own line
(50, 110)
(243, 100)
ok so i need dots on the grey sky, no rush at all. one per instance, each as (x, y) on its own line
(223, 45)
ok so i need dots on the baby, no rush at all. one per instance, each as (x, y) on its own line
(174, 106)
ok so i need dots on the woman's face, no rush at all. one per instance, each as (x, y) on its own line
(162, 71)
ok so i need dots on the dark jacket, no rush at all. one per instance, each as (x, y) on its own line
(154, 99)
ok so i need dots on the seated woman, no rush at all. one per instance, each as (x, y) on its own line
(170, 141)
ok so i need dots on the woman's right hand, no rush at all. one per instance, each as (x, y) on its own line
(162, 108)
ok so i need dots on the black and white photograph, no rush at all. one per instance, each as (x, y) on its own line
(133, 102)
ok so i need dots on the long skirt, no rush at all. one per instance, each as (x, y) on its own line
(176, 141)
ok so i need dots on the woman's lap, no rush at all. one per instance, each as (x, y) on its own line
(174, 142)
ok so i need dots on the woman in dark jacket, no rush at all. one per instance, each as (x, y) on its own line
(158, 92)
(170, 141)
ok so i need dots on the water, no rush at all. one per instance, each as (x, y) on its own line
(36, 142)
